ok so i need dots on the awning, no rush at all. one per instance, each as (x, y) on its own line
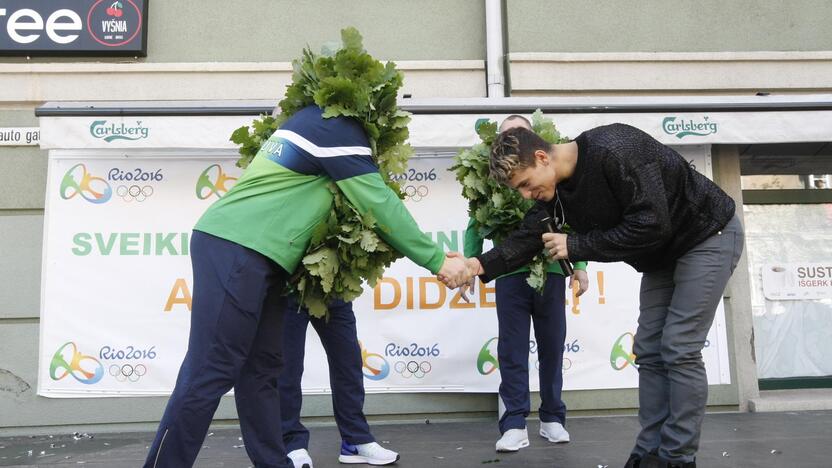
(448, 123)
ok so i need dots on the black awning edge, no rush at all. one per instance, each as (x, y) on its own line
(195, 111)
(523, 105)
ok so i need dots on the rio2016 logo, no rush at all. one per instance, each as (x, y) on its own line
(78, 181)
(413, 183)
(373, 365)
(487, 358)
(67, 360)
(417, 366)
(213, 181)
(135, 367)
(621, 354)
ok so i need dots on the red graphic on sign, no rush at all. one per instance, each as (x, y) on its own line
(116, 9)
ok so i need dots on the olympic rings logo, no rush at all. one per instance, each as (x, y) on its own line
(78, 181)
(134, 192)
(373, 365)
(212, 181)
(413, 369)
(415, 193)
(567, 364)
(126, 372)
(487, 358)
(620, 357)
(83, 368)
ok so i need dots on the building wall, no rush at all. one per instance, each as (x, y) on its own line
(669, 26)
(668, 47)
(212, 49)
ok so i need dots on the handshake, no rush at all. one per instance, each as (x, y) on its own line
(458, 271)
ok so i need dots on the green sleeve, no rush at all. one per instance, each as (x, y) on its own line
(396, 226)
(579, 266)
(472, 244)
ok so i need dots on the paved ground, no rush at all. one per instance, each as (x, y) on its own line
(759, 440)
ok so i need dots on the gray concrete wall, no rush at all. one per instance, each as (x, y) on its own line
(22, 187)
(668, 25)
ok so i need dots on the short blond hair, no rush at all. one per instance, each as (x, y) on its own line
(512, 150)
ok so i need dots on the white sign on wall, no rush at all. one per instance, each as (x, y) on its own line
(797, 281)
(19, 136)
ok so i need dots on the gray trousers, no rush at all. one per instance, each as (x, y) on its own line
(677, 307)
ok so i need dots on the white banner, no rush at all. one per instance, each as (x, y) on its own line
(117, 289)
(797, 281)
(116, 274)
(444, 131)
(210, 132)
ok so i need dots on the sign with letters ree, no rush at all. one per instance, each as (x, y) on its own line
(73, 27)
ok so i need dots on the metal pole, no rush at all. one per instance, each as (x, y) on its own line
(495, 52)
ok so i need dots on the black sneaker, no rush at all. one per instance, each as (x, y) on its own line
(654, 461)
(633, 461)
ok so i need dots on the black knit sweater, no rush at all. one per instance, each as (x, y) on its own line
(629, 199)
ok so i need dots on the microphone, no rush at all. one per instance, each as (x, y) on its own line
(565, 266)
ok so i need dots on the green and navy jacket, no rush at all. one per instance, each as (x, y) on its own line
(283, 194)
(472, 247)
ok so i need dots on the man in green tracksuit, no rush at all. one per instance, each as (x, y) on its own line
(243, 249)
(518, 304)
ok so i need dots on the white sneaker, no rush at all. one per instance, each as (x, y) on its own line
(300, 458)
(554, 431)
(513, 440)
(371, 454)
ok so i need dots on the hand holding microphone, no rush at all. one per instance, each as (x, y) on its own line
(555, 243)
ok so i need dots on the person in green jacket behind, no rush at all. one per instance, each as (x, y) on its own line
(518, 304)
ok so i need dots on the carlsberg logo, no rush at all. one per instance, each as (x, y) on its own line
(683, 128)
(109, 131)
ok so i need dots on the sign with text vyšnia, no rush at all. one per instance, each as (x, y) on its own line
(73, 27)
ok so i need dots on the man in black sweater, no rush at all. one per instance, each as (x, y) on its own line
(626, 197)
